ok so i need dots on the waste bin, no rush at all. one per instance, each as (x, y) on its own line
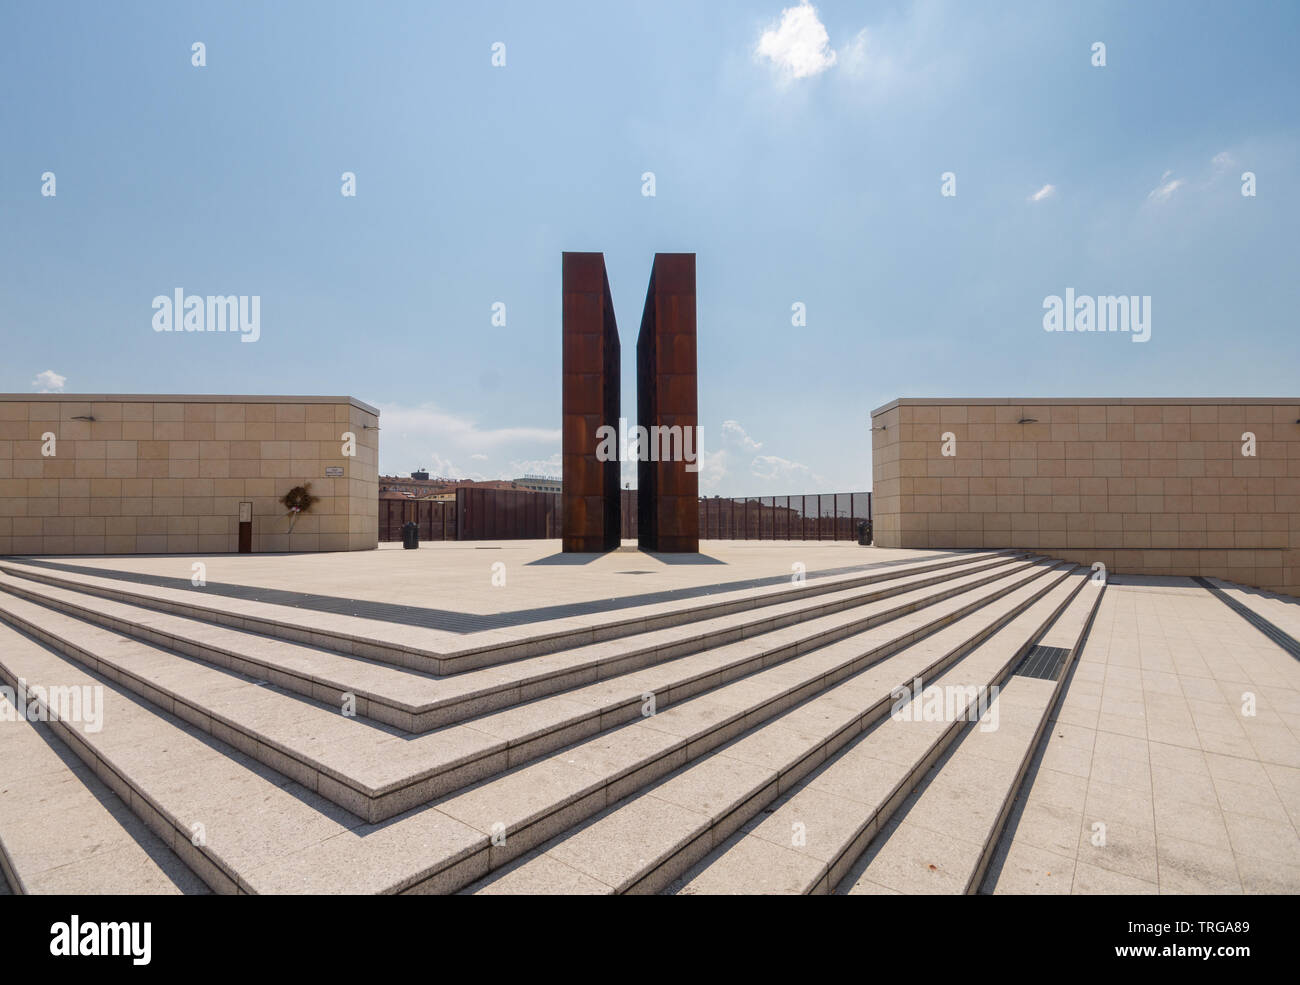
(864, 533)
(410, 535)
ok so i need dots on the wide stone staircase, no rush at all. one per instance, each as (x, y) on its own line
(750, 740)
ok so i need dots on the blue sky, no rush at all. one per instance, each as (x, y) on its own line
(797, 152)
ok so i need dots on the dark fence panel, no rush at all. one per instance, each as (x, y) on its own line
(627, 507)
(437, 521)
(476, 514)
(507, 514)
(829, 516)
(514, 514)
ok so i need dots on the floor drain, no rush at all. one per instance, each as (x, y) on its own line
(1043, 662)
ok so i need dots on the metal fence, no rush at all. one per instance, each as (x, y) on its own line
(437, 521)
(476, 514)
(825, 516)
(511, 514)
(507, 514)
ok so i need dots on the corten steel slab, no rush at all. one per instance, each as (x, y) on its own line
(590, 494)
(668, 517)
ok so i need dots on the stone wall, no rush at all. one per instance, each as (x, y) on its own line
(165, 474)
(1146, 486)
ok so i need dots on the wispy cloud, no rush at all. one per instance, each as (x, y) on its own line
(444, 468)
(713, 470)
(857, 56)
(736, 467)
(429, 419)
(872, 59)
(1047, 191)
(734, 433)
(441, 439)
(536, 466)
(1222, 166)
(785, 473)
(799, 46)
(1166, 187)
(49, 381)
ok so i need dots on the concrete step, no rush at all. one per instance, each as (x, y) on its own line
(642, 844)
(265, 833)
(218, 810)
(813, 836)
(376, 772)
(62, 831)
(943, 837)
(443, 652)
(417, 702)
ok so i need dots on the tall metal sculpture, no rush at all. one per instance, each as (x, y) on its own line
(590, 401)
(668, 481)
(667, 412)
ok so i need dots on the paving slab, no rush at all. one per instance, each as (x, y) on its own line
(1196, 794)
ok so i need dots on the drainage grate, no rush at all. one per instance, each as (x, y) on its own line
(1283, 639)
(1044, 662)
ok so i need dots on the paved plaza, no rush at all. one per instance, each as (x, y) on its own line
(1151, 741)
(762, 717)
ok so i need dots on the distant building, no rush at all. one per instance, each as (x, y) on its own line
(538, 483)
(418, 486)
(421, 486)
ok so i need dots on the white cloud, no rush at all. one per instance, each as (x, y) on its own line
(715, 466)
(1165, 188)
(536, 466)
(856, 56)
(713, 469)
(770, 468)
(799, 46)
(906, 54)
(428, 435)
(1200, 187)
(444, 468)
(723, 472)
(865, 58)
(1047, 191)
(733, 433)
(430, 419)
(49, 381)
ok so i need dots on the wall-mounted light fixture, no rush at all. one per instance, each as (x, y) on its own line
(879, 427)
(1027, 420)
(84, 417)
